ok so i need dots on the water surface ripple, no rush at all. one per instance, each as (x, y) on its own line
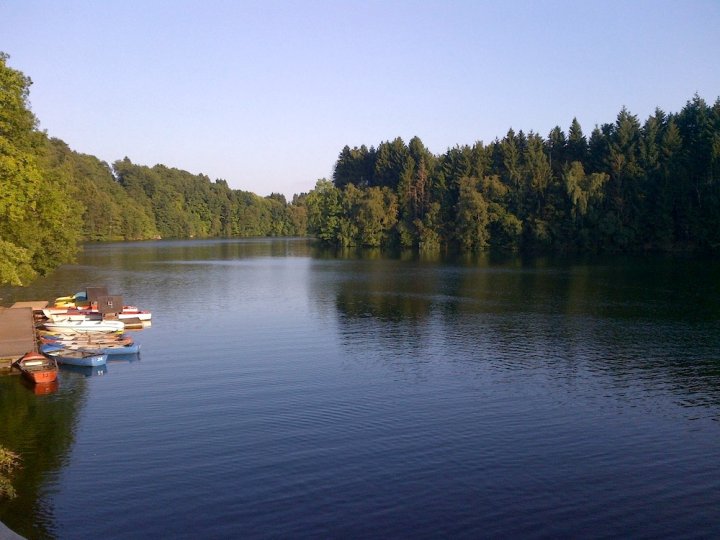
(284, 392)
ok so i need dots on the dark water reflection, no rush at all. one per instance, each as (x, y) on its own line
(285, 391)
(634, 319)
(41, 426)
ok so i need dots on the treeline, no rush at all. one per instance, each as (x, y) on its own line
(629, 186)
(133, 202)
(126, 201)
(52, 199)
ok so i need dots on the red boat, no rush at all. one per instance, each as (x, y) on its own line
(38, 368)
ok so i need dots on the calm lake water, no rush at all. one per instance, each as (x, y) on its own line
(285, 392)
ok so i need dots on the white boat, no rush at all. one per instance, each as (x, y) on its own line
(128, 312)
(95, 316)
(84, 325)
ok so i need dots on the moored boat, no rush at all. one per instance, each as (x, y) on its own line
(50, 347)
(84, 325)
(96, 348)
(38, 368)
(112, 350)
(87, 338)
(91, 315)
(69, 333)
(78, 358)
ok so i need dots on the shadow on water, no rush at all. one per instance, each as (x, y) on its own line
(378, 392)
(41, 429)
(639, 321)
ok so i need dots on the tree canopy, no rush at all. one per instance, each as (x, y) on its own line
(52, 198)
(34, 235)
(630, 185)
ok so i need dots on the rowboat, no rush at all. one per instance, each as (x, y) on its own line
(112, 350)
(50, 347)
(38, 368)
(95, 348)
(88, 338)
(128, 312)
(69, 333)
(78, 358)
(84, 325)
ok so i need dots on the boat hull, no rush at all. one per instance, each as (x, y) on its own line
(38, 368)
(91, 348)
(79, 358)
(84, 325)
(88, 338)
(113, 351)
(95, 316)
(128, 312)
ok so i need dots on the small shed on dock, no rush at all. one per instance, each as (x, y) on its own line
(94, 293)
(109, 305)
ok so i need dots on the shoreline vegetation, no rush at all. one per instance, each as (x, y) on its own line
(628, 187)
(9, 461)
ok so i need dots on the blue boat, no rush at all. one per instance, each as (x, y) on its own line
(130, 348)
(51, 347)
(78, 358)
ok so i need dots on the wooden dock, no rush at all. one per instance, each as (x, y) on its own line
(17, 331)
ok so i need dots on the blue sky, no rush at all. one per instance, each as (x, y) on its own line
(265, 94)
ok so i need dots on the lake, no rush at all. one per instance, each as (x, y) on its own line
(289, 392)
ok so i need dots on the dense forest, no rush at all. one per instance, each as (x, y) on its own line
(52, 199)
(630, 186)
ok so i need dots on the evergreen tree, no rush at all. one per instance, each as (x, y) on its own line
(558, 151)
(391, 160)
(354, 166)
(577, 145)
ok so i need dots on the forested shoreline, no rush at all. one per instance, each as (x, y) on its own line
(629, 186)
(53, 199)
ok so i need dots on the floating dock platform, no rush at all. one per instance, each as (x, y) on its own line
(17, 331)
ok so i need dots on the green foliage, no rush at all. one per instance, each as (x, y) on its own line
(52, 198)
(505, 228)
(377, 216)
(178, 204)
(472, 219)
(630, 186)
(35, 235)
(392, 160)
(20, 176)
(324, 210)
(355, 166)
(15, 264)
(9, 461)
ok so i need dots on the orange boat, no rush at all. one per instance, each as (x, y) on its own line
(38, 368)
